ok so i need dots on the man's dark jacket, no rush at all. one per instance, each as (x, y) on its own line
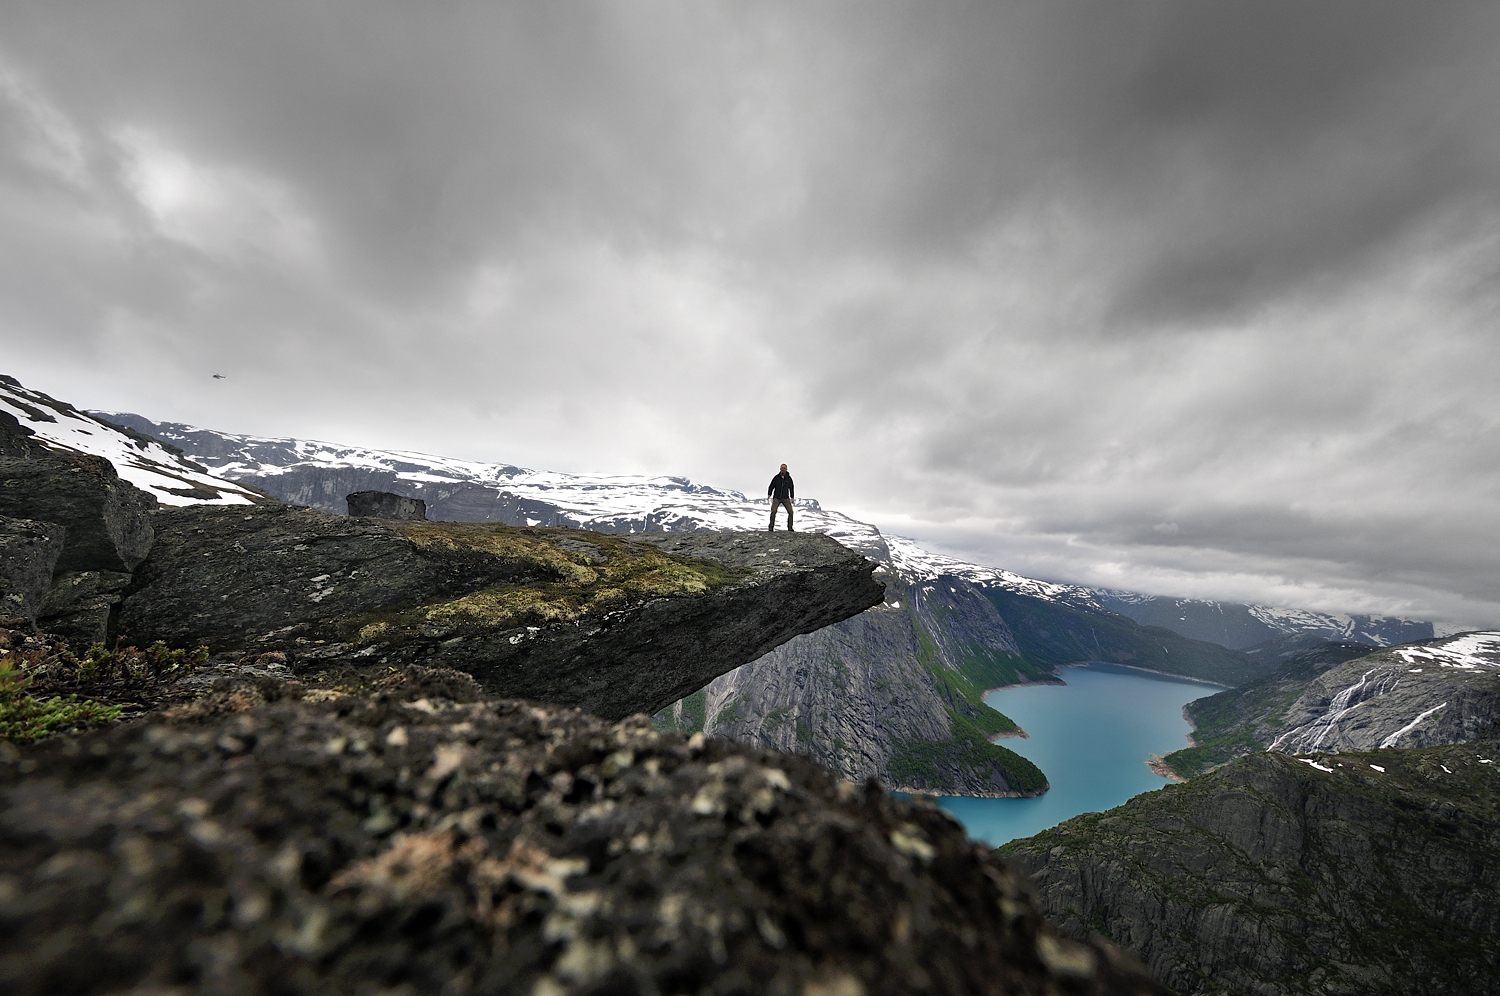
(782, 487)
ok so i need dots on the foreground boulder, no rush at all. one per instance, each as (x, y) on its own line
(1338, 874)
(422, 840)
(612, 624)
(28, 553)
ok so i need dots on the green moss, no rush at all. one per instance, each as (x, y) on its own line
(40, 687)
(562, 575)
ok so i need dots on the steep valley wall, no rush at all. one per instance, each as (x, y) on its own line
(1354, 874)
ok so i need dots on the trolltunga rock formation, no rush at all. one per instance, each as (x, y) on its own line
(612, 624)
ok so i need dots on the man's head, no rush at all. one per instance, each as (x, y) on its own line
(783, 468)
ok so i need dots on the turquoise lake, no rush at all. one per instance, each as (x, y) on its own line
(1092, 737)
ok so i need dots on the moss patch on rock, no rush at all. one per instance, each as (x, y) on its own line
(566, 575)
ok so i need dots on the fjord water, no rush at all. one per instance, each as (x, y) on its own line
(1092, 736)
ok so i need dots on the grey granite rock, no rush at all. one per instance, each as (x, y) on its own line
(1420, 694)
(28, 554)
(78, 605)
(856, 696)
(1349, 874)
(108, 520)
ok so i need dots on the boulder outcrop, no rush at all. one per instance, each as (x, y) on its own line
(1340, 874)
(28, 554)
(108, 521)
(611, 624)
(79, 605)
(385, 505)
(425, 840)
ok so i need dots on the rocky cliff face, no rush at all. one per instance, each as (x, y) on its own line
(424, 839)
(1343, 697)
(1244, 720)
(894, 693)
(1441, 691)
(606, 623)
(1352, 873)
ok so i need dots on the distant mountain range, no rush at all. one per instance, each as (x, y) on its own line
(1246, 627)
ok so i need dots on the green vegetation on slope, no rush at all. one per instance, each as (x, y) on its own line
(1243, 720)
(930, 766)
(1051, 635)
(973, 721)
(694, 711)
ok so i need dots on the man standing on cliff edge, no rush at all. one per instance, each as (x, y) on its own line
(782, 492)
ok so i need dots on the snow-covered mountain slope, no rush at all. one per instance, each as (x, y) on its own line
(145, 463)
(1381, 631)
(917, 564)
(1409, 696)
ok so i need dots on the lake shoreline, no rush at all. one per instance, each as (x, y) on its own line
(1100, 735)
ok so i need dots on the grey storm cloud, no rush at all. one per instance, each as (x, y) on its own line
(1192, 298)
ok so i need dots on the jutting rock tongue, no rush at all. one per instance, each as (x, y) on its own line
(611, 624)
(384, 505)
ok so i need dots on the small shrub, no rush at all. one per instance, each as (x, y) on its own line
(23, 718)
(40, 686)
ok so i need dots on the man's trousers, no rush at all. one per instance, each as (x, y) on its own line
(775, 504)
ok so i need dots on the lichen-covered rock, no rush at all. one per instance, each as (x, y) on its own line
(384, 505)
(424, 840)
(612, 624)
(78, 605)
(108, 520)
(1347, 874)
(28, 554)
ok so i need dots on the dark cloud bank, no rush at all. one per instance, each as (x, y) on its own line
(1189, 298)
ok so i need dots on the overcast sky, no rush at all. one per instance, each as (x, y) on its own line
(1190, 298)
